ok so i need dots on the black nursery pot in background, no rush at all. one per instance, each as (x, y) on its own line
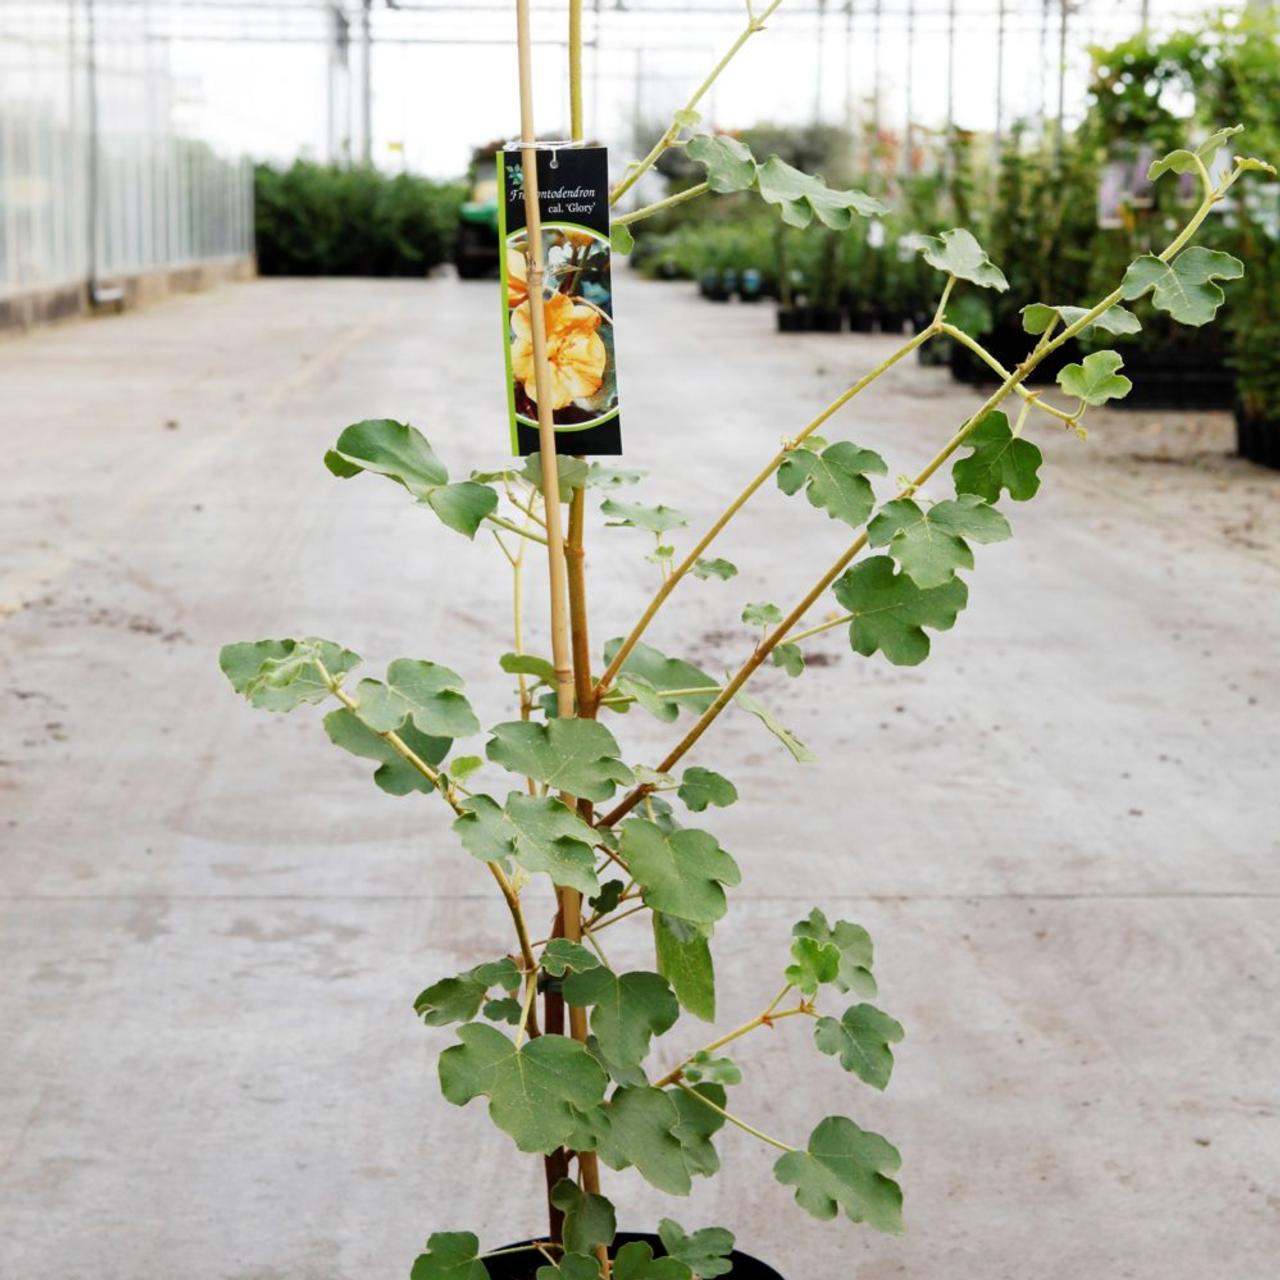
(1257, 437)
(523, 1266)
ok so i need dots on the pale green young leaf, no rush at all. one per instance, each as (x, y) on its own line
(458, 999)
(686, 117)
(702, 787)
(635, 515)
(1095, 380)
(766, 717)
(835, 480)
(1116, 320)
(425, 692)
(661, 673)
(999, 461)
(462, 767)
(845, 1168)
(705, 1067)
(729, 163)
(761, 613)
(713, 568)
(790, 657)
(851, 942)
(394, 774)
(589, 1220)
(536, 1092)
(1184, 161)
(561, 956)
(1185, 287)
(601, 475)
(278, 675)
(1251, 164)
(577, 756)
(684, 959)
(635, 1261)
(655, 778)
(681, 873)
(801, 196)
(643, 694)
(620, 238)
(929, 542)
(959, 254)
(813, 964)
(705, 1252)
(539, 832)
(450, 1255)
(861, 1039)
(627, 1011)
(890, 612)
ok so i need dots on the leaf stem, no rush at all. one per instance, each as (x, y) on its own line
(959, 335)
(660, 206)
(510, 527)
(732, 1119)
(642, 167)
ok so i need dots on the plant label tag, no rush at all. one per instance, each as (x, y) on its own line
(573, 184)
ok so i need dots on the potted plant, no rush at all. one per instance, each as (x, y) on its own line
(567, 1054)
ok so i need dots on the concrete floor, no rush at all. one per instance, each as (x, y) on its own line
(1062, 830)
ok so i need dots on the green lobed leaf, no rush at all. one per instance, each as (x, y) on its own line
(790, 657)
(959, 254)
(835, 480)
(609, 896)
(589, 1220)
(401, 453)
(813, 964)
(680, 873)
(705, 1067)
(621, 241)
(279, 675)
(539, 832)
(571, 1266)
(847, 1168)
(698, 1124)
(394, 774)
(713, 568)
(526, 664)
(577, 756)
(890, 612)
(571, 473)
(1095, 380)
(999, 461)
(601, 475)
(638, 1126)
(635, 1261)
(560, 956)
(450, 1255)
(705, 1252)
(1184, 161)
(635, 515)
(1116, 320)
(860, 1038)
(851, 942)
(627, 1011)
(729, 163)
(425, 692)
(458, 999)
(929, 542)
(684, 959)
(771, 722)
(800, 197)
(507, 1010)
(761, 613)
(1185, 287)
(536, 1092)
(702, 787)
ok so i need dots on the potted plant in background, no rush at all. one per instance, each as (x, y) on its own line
(561, 1043)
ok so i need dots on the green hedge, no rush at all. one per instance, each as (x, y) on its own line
(319, 220)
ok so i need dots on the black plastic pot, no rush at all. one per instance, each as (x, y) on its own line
(827, 320)
(1010, 345)
(752, 285)
(1191, 375)
(1257, 437)
(522, 1266)
(795, 319)
(861, 319)
(890, 320)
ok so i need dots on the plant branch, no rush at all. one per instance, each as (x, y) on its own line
(959, 335)
(641, 167)
(659, 206)
(503, 523)
(651, 610)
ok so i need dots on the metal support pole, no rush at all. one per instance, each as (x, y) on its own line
(1064, 7)
(908, 139)
(366, 84)
(998, 133)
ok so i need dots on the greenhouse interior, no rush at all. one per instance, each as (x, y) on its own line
(705, 343)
